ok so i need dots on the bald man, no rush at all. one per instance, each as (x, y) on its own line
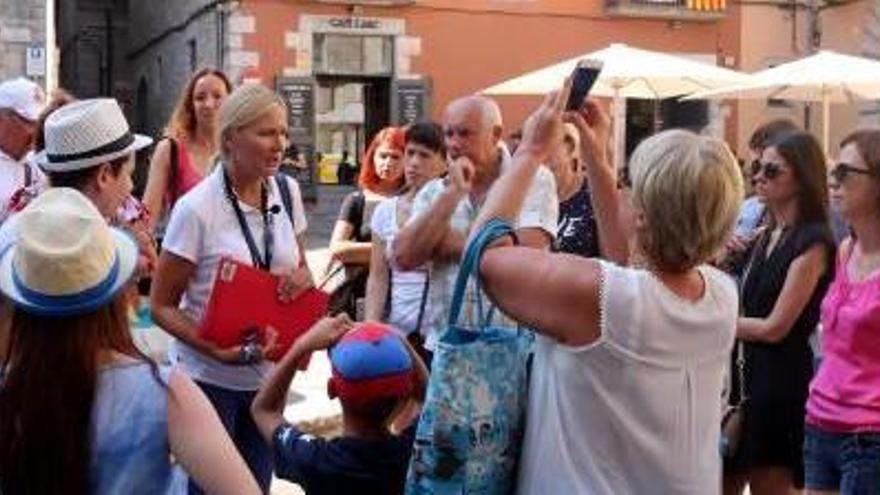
(444, 209)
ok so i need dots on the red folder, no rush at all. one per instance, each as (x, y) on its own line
(245, 297)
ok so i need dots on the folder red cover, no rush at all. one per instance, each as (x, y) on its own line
(244, 297)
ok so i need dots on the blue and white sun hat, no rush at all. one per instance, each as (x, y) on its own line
(66, 259)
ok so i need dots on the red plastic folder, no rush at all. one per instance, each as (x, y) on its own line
(245, 297)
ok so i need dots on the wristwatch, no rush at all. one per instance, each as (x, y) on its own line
(250, 353)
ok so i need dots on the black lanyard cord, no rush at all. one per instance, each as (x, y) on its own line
(268, 233)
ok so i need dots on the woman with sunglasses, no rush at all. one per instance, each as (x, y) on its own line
(842, 443)
(785, 278)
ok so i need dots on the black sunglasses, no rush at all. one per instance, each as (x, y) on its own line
(770, 170)
(754, 168)
(843, 170)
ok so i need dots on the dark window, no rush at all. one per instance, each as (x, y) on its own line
(193, 54)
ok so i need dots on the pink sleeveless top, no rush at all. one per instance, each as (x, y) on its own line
(845, 393)
(187, 176)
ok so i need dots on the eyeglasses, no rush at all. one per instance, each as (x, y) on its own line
(769, 170)
(843, 170)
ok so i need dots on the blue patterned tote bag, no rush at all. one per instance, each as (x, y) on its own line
(470, 432)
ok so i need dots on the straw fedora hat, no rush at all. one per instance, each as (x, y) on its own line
(66, 260)
(86, 133)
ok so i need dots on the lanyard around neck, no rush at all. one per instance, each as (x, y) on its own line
(268, 234)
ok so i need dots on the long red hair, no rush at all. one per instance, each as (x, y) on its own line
(393, 137)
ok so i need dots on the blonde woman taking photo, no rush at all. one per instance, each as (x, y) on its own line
(629, 361)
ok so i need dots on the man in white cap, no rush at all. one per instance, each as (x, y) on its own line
(21, 102)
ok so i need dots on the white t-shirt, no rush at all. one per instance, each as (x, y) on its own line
(203, 228)
(540, 210)
(407, 287)
(638, 411)
(12, 178)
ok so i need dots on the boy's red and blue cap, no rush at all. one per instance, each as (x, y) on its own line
(370, 362)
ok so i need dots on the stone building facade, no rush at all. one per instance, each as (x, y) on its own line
(407, 58)
(92, 41)
(774, 34)
(23, 37)
(169, 40)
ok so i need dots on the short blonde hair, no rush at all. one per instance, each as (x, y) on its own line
(689, 189)
(245, 104)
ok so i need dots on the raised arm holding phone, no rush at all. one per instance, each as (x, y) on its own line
(595, 357)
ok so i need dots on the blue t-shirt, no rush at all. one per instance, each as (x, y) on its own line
(576, 233)
(342, 465)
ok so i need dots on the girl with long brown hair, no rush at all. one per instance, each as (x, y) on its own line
(81, 409)
(187, 155)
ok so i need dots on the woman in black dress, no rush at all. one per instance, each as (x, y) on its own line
(789, 270)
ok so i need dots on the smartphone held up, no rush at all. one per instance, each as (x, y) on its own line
(582, 80)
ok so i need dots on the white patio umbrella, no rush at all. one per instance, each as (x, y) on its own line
(826, 77)
(627, 72)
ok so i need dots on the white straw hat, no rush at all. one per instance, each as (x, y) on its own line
(66, 259)
(86, 133)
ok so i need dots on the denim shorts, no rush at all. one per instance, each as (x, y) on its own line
(845, 462)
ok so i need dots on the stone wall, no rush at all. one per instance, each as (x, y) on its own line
(92, 37)
(22, 24)
(169, 38)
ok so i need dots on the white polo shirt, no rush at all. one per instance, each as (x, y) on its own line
(203, 228)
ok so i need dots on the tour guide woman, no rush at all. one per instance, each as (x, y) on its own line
(237, 212)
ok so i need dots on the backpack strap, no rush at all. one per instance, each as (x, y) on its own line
(286, 199)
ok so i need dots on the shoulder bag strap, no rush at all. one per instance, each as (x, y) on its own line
(740, 359)
(360, 206)
(386, 312)
(424, 302)
(173, 171)
(286, 199)
(28, 175)
(492, 230)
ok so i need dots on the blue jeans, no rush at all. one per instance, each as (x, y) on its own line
(234, 409)
(848, 462)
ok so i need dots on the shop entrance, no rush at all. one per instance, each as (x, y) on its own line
(350, 111)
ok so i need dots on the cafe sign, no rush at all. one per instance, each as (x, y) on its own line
(352, 25)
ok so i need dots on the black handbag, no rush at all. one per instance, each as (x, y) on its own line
(733, 418)
(346, 295)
